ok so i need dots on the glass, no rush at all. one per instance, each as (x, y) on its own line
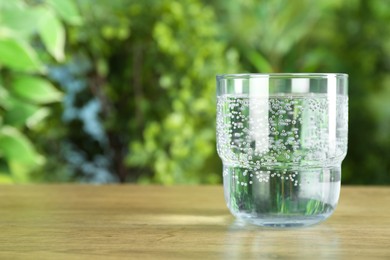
(282, 139)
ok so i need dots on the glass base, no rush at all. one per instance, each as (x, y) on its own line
(282, 222)
(282, 197)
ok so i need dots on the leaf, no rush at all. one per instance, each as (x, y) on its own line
(18, 112)
(35, 89)
(67, 9)
(15, 146)
(258, 61)
(37, 117)
(18, 18)
(52, 34)
(20, 171)
(18, 55)
(4, 98)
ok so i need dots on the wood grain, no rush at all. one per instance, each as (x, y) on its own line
(181, 222)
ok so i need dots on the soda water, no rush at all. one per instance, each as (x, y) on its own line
(282, 155)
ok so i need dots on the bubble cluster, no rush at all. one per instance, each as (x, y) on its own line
(260, 134)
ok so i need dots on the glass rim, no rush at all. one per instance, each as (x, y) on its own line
(281, 75)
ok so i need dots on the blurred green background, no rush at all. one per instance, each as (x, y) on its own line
(124, 91)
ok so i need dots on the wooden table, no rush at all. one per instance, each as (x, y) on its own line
(184, 222)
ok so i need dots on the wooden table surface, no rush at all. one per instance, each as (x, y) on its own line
(182, 222)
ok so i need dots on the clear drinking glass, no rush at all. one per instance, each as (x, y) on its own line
(282, 139)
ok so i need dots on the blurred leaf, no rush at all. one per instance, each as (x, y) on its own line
(67, 9)
(258, 61)
(4, 98)
(52, 33)
(18, 55)
(379, 106)
(15, 146)
(18, 18)
(37, 117)
(20, 171)
(18, 112)
(35, 89)
(137, 156)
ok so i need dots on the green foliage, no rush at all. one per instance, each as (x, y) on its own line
(150, 67)
(161, 76)
(365, 54)
(53, 35)
(43, 91)
(17, 54)
(23, 87)
(16, 147)
(180, 141)
(267, 32)
(67, 10)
